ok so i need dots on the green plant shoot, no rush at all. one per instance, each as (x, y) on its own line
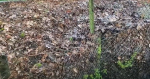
(22, 35)
(91, 15)
(11, 0)
(99, 50)
(71, 39)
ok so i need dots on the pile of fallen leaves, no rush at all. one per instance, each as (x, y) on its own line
(50, 39)
(42, 41)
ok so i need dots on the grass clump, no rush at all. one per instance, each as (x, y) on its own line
(128, 63)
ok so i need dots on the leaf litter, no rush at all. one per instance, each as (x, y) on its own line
(46, 28)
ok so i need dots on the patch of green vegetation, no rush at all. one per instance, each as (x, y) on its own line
(99, 51)
(22, 35)
(128, 63)
(71, 39)
(38, 65)
(1, 24)
(85, 76)
(104, 71)
(91, 15)
(1, 29)
(96, 75)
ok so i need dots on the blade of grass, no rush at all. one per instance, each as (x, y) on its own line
(91, 15)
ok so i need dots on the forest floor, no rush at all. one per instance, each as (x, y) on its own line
(51, 39)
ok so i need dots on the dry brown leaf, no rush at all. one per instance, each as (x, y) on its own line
(75, 70)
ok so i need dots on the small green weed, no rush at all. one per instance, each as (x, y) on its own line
(1, 29)
(128, 63)
(104, 71)
(96, 75)
(71, 39)
(38, 65)
(22, 35)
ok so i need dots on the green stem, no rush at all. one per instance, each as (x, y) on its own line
(91, 15)
(10, 0)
